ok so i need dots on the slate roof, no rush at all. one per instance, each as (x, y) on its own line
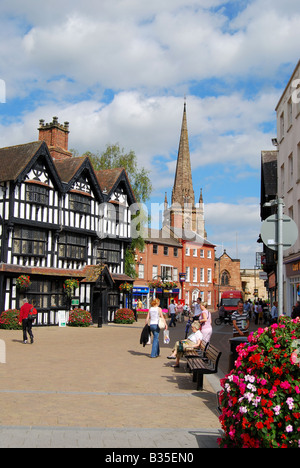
(161, 236)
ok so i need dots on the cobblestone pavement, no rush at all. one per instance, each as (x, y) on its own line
(98, 387)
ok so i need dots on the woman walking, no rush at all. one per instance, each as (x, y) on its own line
(205, 322)
(154, 314)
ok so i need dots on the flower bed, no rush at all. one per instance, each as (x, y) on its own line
(9, 319)
(260, 399)
(79, 318)
(124, 316)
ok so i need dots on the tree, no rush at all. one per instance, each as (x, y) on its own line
(115, 157)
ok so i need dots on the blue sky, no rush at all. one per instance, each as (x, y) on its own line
(118, 71)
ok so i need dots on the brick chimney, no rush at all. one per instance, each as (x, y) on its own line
(56, 136)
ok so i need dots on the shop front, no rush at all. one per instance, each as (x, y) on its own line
(292, 289)
(140, 300)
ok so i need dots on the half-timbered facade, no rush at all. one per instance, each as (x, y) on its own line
(61, 220)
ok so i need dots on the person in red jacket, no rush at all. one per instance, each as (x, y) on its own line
(23, 320)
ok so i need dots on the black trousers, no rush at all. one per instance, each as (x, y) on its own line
(27, 327)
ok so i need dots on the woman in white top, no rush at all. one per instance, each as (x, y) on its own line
(153, 315)
(193, 341)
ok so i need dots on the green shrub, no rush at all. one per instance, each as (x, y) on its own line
(9, 319)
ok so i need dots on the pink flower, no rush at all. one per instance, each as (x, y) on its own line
(285, 385)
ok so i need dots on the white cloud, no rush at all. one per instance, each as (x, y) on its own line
(146, 56)
(146, 45)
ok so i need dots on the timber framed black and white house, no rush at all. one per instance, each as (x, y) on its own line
(60, 219)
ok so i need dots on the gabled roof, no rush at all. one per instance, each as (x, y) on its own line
(70, 169)
(109, 180)
(14, 159)
(67, 168)
(17, 161)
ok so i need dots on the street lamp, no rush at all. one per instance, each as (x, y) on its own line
(100, 284)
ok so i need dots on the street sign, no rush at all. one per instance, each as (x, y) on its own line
(269, 232)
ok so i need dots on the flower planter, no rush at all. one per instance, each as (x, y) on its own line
(260, 400)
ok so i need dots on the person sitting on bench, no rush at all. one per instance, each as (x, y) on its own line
(193, 341)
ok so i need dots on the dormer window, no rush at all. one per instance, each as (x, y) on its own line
(37, 194)
(80, 203)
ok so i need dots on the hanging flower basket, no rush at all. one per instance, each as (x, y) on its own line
(23, 282)
(170, 285)
(70, 285)
(156, 284)
(126, 287)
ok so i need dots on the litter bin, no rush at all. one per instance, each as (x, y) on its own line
(234, 343)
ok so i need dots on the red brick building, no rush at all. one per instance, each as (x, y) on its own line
(180, 251)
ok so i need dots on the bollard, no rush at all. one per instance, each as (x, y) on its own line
(234, 343)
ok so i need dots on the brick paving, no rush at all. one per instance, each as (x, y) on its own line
(99, 387)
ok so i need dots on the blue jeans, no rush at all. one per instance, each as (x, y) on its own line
(173, 320)
(155, 345)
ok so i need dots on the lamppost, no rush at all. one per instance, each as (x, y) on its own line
(163, 279)
(100, 284)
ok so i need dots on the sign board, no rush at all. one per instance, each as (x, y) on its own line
(75, 302)
(62, 322)
(263, 275)
(269, 232)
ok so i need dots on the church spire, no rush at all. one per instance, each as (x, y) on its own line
(183, 213)
(183, 191)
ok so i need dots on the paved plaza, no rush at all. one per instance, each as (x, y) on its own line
(98, 387)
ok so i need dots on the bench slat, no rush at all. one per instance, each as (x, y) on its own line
(208, 365)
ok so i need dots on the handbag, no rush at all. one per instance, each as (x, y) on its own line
(161, 323)
(180, 347)
(32, 314)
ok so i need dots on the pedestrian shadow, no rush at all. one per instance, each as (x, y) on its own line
(138, 353)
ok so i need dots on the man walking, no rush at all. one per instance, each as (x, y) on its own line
(172, 312)
(25, 322)
(240, 320)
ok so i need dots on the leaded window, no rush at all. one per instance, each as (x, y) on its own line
(80, 203)
(37, 194)
(29, 242)
(72, 247)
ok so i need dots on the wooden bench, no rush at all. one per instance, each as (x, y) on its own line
(207, 365)
(197, 352)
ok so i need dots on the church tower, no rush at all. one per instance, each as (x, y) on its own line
(183, 213)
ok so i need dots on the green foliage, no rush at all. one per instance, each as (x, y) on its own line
(115, 157)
